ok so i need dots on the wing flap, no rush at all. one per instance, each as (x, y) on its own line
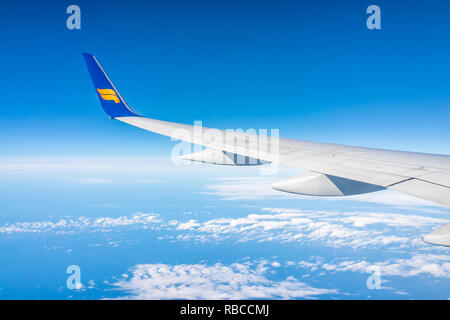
(318, 184)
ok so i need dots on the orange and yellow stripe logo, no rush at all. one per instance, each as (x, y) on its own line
(108, 94)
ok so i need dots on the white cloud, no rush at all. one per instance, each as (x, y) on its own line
(419, 264)
(91, 284)
(276, 264)
(219, 281)
(433, 265)
(188, 225)
(357, 229)
(334, 229)
(364, 219)
(73, 225)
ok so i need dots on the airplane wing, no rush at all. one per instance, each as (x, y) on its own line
(335, 170)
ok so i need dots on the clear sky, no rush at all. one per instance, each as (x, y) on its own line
(310, 68)
(77, 188)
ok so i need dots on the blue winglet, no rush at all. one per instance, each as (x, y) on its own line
(111, 100)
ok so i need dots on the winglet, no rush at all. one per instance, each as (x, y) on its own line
(110, 99)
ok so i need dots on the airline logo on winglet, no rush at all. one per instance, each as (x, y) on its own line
(108, 94)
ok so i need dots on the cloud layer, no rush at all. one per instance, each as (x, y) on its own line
(335, 229)
(80, 224)
(420, 264)
(218, 281)
(354, 229)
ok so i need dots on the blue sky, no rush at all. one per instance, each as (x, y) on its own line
(78, 188)
(311, 69)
